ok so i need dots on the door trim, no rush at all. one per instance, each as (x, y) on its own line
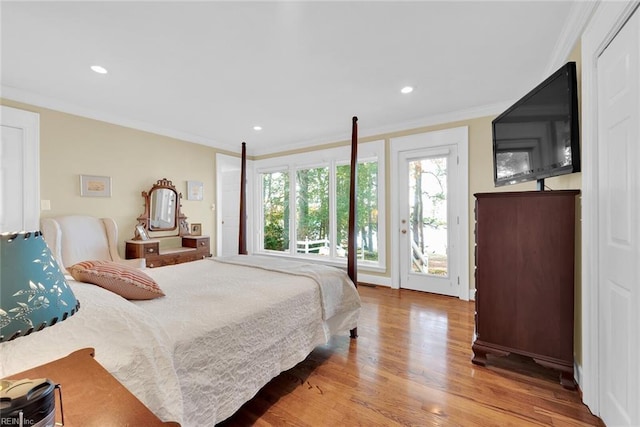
(29, 123)
(459, 137)
(604, 25)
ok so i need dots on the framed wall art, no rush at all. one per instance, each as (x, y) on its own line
(141, 232)
(195, 190)
(95, 186)
(196, 229)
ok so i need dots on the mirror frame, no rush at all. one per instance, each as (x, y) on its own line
(181, 228)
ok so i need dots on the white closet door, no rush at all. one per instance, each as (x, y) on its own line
(228, 170)
(619, 226)
(19, 170)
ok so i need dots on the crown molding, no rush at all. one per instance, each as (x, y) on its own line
(31, 98)
(26, 97)
(579, 16)
(381, 132)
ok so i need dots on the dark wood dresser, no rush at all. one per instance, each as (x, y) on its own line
(193, 248)
(525, 256)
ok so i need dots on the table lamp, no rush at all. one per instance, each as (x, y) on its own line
(33, 291)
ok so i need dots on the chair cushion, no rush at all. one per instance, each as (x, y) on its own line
(125, 281)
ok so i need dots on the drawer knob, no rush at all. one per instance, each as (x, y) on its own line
(150, 249)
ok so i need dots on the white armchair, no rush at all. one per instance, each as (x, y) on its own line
(76, 238)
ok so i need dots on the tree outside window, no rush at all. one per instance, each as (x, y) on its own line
(312, 215)
(366, 208)
(312, 210)
(275, 198)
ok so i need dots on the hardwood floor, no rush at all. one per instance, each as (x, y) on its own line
(411, 365)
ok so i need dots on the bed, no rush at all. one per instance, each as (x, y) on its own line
(248, 319)
(201, 368)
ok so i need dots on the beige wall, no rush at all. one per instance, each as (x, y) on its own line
(72, 145)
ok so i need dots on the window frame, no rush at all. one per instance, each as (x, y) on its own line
(331, 158)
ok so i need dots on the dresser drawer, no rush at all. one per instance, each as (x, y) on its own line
(151, 248)
(193, 248)
(141, 249)
(195, 242)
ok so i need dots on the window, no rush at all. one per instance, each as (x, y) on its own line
(366, 209)
(317, 225)
(275, 221)
(312, 210)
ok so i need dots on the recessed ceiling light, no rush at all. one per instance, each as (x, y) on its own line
(257, 128)
(406, 89)
(98, 69)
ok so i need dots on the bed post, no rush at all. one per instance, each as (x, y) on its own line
(242, 235)
(352, 246)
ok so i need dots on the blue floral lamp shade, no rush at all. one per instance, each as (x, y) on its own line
(33, 291)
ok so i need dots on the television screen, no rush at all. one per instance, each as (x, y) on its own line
(538, 136)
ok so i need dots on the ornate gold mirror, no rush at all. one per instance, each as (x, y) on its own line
(162, 211)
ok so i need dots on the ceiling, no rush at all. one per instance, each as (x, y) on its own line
(208, 72)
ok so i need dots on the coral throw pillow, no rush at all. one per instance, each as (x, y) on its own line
(128, 282)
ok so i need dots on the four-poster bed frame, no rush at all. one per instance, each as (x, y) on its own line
(352, 264)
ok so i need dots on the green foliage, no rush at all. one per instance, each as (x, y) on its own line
(366, 205)
(429, 202)
(312, 203)
(275, 196)
(312, 206)
(274, 236)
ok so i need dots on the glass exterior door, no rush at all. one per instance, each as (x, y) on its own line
(428, 231)
(425, 218)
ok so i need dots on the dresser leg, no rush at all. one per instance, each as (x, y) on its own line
(566, 373)
(479, 356)
(567, 381)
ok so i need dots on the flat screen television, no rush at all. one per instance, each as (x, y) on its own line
(538, 136)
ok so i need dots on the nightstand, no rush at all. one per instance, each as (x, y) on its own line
(91, 396)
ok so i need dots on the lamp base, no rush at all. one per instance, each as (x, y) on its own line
(27, 402)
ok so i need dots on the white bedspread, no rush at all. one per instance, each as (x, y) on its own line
(246, 325)
(336, 289)
(129, 343)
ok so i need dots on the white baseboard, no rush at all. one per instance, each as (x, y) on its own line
(374, 280)
(577, 373)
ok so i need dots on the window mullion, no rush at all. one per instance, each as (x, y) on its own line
(293, 223)
(333, 210)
